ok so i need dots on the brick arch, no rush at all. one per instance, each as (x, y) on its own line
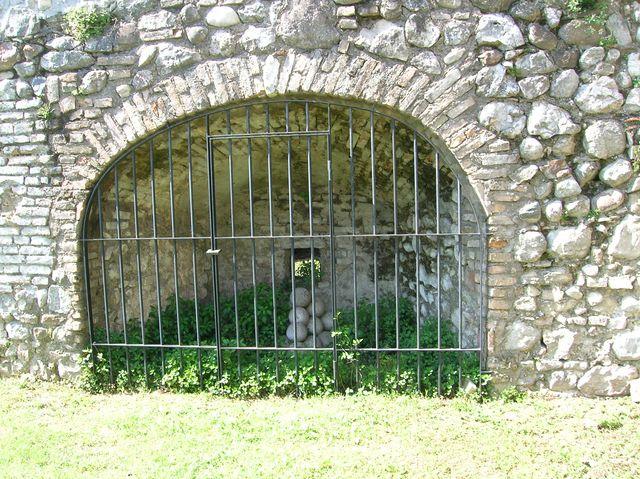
(433, 107)
(436, 108)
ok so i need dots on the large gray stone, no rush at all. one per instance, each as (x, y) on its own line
(600, 96)
(257, 40)
(581, 33)
(604, 139)
(625, 241)
(567, 187)
(565, 84)
(171, 57)
(499, 30)
(607, 380)
(505, 119)
(559, 343)
(309, 24)
(608, 200)
(542, 37)
(633, 64)
(421, 31)
(626, 346)
(533, 87)
(530, 246)
(492, 5)
(222, 17)
(385, 39)
(93, 82)
(8, 90)
(457, 32)
(573, 242)
(534, 64)
(157, 21)
(223, 44)
(616, 173)
(65, 61)
(520, 336)
(531, 149)
(17, 331)
(547, 120)
(619, 28)
(21, 22)
(58, 300)
(495, 82)
(9, 56)
(632, 104)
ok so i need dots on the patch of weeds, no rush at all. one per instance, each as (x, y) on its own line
(45, 112)
(610, 424)
(597, 10)
(83, 23)
(594, 214)
(607, 42)
(565, 217)
(279, 373)
(635, 82)
(512, 395)
(579, 6)
(513, 71)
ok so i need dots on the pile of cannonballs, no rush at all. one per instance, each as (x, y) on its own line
(302, 317)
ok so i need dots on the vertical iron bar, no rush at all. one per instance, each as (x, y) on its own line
(459, 193)
(234, 248)
(172, 214)
(154, 225)
(438, 271)
(292, 244)
(123, 306)
(375, 244)
(353, 237)
(416, 226)
(213, 227)
(332, 246)
(194, 259)
(396, 249)
(273, 247)
(87, 288)
(136, 225)
(252, 234)
(481, 339)
(313, 271)
(105, 294)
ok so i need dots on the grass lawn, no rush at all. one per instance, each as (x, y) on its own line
(53, 431)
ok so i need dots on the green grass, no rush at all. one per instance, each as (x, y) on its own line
(54, 431)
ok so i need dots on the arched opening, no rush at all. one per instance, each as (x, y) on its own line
(287, 237)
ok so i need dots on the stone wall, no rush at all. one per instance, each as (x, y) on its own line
(526, 99)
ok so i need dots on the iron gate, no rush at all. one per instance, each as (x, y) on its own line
(285, 238)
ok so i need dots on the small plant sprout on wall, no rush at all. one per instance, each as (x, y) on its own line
(83, 23)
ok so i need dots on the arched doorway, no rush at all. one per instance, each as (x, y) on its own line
(287, 236)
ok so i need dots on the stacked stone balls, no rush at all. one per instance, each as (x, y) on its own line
(301, 320)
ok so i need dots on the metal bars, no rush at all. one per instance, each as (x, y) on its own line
(384, 219)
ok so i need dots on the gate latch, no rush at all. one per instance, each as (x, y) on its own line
(212, 252)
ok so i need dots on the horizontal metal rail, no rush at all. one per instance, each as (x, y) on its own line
(271, 134)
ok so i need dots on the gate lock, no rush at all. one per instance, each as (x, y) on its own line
(212, 252)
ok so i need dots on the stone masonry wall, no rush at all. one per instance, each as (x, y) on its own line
(529, 101)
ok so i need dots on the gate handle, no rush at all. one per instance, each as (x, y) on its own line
(212, 252)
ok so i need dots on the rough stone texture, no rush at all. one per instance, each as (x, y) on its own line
(570, 242)
(626, 346)
(499, 30)
(504, 118)
(421, 31)
(601, 96)
(604, 139)
(64, 61)
(472, 78)
(607, 380)
(547, 120)
(531, 246)
(308, 24)
(385, 39)
(625, 241)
